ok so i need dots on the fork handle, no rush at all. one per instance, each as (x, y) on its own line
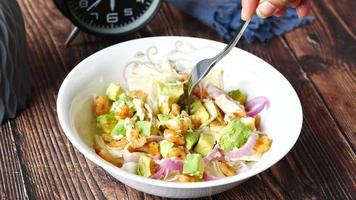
(232, 43)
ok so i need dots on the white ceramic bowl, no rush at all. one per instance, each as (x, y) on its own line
(282, 120)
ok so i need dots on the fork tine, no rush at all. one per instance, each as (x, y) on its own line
(203, 67)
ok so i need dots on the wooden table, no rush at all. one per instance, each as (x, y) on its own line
(38, 162)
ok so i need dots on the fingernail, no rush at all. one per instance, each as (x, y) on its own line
(302, 10)
(244, 15)
(266, 9)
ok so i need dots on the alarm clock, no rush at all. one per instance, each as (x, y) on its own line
(107, 17)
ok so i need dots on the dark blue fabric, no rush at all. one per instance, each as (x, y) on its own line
(224, 17)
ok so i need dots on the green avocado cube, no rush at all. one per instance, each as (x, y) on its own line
(169, 93)
(144, 127)
(194, 165)
(123, 100)
(164, 104)
(119, 129)
(205, 144)
(162, 118)
(145, 166)
(239, 96)
(164, 147)
(199, 111)
(191, 139)
(233, 135)
(106, 122)
(113, 92)
(172, 89)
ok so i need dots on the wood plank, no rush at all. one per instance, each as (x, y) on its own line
(11, 175)
(322, 157)
(342, 12)
(278, 180)
(326, 51)
(55, 169)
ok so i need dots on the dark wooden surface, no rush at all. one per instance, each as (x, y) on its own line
(38, 162)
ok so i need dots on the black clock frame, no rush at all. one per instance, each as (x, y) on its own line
(63, 8)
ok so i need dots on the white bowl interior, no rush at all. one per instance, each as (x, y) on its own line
(281, 121)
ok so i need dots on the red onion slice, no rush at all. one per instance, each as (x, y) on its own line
(155, 138)
(159, 174)
(212, 154)
(171, 164)
(256, 105)
(245, 149)
(165, 166)
(214, 91)
(208, 177)
(201, 90)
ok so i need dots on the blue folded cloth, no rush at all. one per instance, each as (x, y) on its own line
(224, 17)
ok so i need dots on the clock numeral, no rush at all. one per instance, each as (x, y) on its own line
(83, 3)
(112, 18)
(128, 12)
(95, 14)
(141, 1)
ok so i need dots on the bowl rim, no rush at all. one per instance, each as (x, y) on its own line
(64, 118)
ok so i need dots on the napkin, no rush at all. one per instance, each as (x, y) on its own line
(224, 17)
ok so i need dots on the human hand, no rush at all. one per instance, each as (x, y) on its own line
(267, 8)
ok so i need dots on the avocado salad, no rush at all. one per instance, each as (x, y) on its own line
(148, 130)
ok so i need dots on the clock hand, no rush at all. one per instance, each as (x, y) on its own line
(94, 5)
(112, 5)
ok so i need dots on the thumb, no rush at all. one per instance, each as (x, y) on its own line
(248, 9)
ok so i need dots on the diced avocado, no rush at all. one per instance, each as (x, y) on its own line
(249, 122)
(164, 147)
(144, 127)
(113, 92)
(173, 89)
(164, 104)
(239, 96)
(119, 129)
(233, 135)
(199, 111)
(123, 100)
(205, 144)
(194, 165)
(191, 139)
(145, 166)
(106, 122)
(169, 93)
(162, 118)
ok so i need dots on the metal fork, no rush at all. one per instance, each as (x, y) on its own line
(203, 67)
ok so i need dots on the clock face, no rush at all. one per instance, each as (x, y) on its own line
(111, 17)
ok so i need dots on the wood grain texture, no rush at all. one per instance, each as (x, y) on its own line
(326, 51)
(320, 166)
(11, 175)
(314, 161)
